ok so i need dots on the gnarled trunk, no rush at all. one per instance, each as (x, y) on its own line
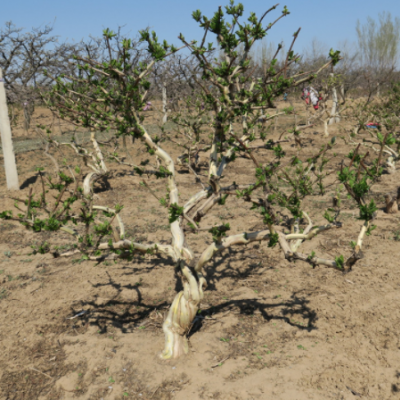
(99, 167)
(181, 314)
(177, 325)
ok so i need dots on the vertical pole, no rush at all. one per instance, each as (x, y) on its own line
(10, 165)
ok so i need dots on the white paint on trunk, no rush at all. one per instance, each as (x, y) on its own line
(6, 140)
(334, 119)
(164, 102)
(342, 92)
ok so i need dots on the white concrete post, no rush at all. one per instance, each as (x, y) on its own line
(10, 165)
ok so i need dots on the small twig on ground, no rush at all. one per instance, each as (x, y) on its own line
(66, 390)
(219, 363)
(354, 393)
(34, 369)
(79, 314)
(155, 392)
(225, 313)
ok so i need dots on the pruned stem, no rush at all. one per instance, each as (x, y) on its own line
(120, 223)
(314, 232)
(241, 238)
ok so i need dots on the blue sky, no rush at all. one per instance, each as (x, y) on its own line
(326, 20)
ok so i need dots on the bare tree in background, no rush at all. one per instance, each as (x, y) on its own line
(263, 53)
(347, 69)
(176, 79)
(23, 57)
(379, 42)
(379, 50)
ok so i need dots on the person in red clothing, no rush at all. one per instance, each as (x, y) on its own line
(311, 95)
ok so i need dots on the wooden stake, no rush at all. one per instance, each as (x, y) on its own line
(6, 140)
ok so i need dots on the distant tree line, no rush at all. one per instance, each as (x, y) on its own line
(366, 68)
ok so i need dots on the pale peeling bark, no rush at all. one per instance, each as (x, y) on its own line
(98, 153)
(295, 245)
(180, 315)
(129, 246)
(292, 254)
(241, 238)
(312, 233)
(90, 178)
(326, 131)
(186, 303)
(120, 223)
(98, 167)
(390, 165)
(218, 169)
(194, 200)
(156, 248)
(213, 170)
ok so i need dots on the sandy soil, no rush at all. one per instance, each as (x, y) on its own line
(268, 329)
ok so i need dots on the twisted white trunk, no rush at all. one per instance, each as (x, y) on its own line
(99, 167)
(181, 314)
(99, 155)
(186, 303)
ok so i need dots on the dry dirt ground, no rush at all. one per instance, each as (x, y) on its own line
(268, 329)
